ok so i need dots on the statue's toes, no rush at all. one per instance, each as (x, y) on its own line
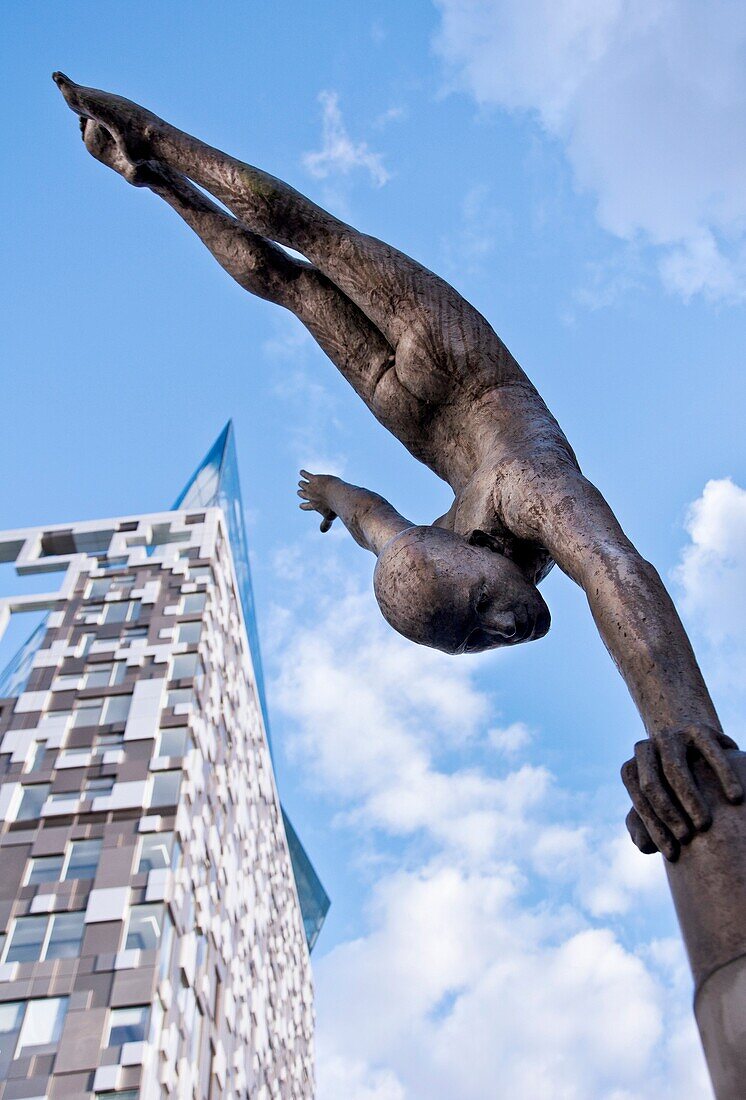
(70, 91)
(124, 120)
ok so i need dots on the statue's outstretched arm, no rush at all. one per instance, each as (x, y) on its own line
(369, 518)
(636, 618)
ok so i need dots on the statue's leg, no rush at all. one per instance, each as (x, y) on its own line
(348, 337)
(356, 347)
(394, 291)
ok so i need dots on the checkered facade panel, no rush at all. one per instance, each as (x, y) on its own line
(152, 940)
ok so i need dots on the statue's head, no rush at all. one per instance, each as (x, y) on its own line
(437, 589)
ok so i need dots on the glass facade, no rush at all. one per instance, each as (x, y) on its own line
(15, 674)
(147, 953)
(215, 483)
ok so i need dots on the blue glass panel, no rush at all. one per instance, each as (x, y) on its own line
(314, 900)
(15, 675)
(215, 483)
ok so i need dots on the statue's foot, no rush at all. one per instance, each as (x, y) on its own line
(102, 145)
(129, 125)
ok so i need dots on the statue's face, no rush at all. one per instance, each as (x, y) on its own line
(438, 590)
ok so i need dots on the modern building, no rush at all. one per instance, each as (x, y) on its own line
(157, 909)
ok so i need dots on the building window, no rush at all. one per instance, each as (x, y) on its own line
(67, 681)
(189, 633)
(157, 852)
(136, 632)
(32, 801)
(28, 1024)
(165, 789)
(88, 712)
(89, 609)
(186, 666)
(180, 697)
(102, 586)
(98, 588)
(128, 1025)
(200, 572)
(65, 796)
(174, 741)
(99, 786)
(116, 709)
(106, 741)
(35, 762)
(102, 712)
(122, 611)
(65, 935)
(110, 564)
(58, 715)
(194, 603)
(80, 753)
(105, 675)
(144, 927)
(42, 1023)
(34, 939)
(74, 756)
(44, 869)
(82, 859)
(26, 940)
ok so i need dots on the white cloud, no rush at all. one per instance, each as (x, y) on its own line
(487, 955)
(712, 580)
(605, 873)
(510, 739)
(459, 990)
(648, 102)
(360, 698)
(712, 572)
(339, 154)
(341, 1078)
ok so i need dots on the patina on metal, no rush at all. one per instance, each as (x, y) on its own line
(432, 370)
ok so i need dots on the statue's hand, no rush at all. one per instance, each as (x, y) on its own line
(314, 488)
(668, 805)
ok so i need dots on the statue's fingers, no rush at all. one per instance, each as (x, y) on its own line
(715, 756)
(307, 506)
(326, 524)
(657, 831)
(654, 790)
(638, 832)
(681, 781)
(305, 473)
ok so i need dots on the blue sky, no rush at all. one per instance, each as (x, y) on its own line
(578, 177)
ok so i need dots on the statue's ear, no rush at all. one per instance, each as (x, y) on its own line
(490, 542)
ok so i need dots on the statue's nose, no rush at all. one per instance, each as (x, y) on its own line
(502, 623)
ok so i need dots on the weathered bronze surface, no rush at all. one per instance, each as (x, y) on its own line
(436, 375)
